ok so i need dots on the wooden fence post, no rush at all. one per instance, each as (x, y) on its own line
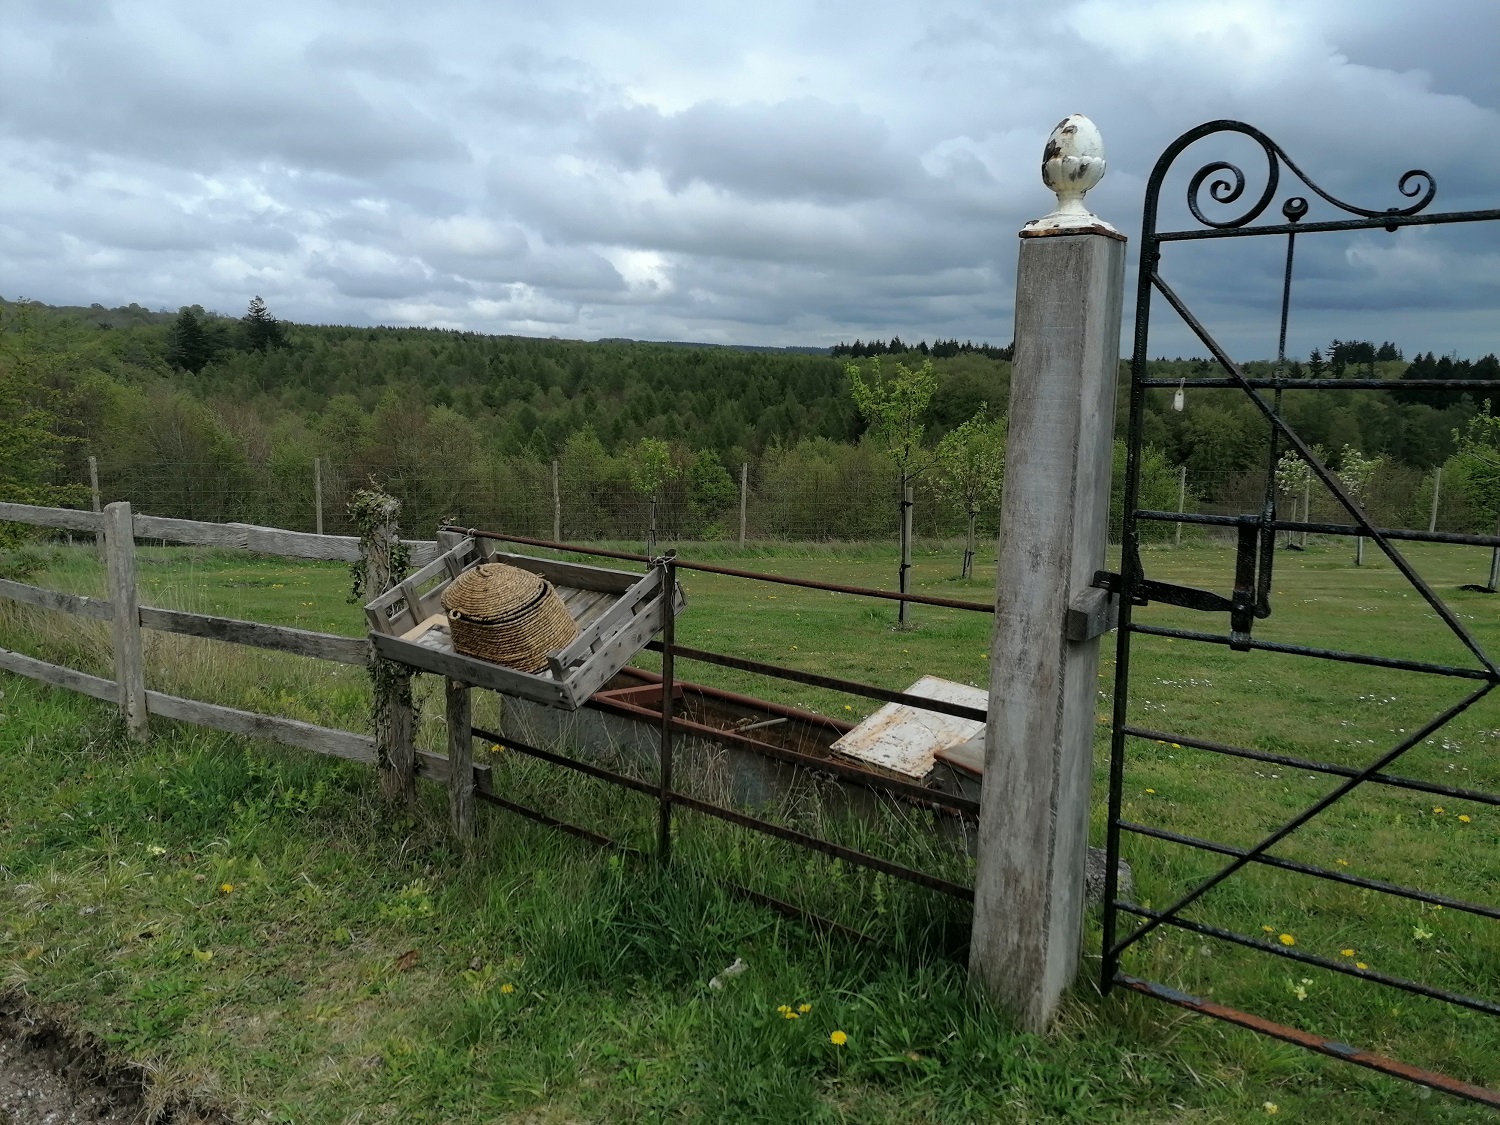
(459, 713)
(744, 495)
(556, 506)
(318, 493)
(1437, 484)
(130, 664)
(94, 490)
(395, 717)
(460, 758)
(1034, 805)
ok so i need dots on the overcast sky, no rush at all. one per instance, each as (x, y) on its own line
(770, 173)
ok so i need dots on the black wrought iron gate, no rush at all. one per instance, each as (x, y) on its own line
(1127, 923)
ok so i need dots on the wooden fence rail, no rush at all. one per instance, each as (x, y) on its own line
(390, 747)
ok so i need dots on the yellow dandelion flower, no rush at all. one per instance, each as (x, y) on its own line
(1437, 809)
(790, 1015)
(1287, 939)
(1342, 862)
(838, 1038)
(783, 1008)
(1463, 818)
(1270, 1107)
(804, 1008)
(1150, 790)
(226, 888)
(1360, 965)
(1346, 952)
(1269, 929)
(507, 988)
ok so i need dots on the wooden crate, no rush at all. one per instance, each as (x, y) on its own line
(617, 613)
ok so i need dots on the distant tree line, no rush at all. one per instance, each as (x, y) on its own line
(940, 349)
(455, 419)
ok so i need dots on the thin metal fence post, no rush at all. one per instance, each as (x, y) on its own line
(1306, 507)
(1437, 482)
(94, 491)
(744, 494)
(905, 575)
(1029, 888)
(1494, 582)
(318, 492)
(129, 664)
(1181, 503)
(668, 564)
(556, 505)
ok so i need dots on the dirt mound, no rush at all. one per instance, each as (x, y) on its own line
(50, 1075)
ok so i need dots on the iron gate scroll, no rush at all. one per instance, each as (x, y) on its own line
(1127, 923)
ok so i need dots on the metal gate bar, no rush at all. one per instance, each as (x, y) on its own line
(1317, 1043)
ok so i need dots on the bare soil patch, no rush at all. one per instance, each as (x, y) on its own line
(51, 1075)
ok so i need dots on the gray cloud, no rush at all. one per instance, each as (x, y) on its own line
(781, 174)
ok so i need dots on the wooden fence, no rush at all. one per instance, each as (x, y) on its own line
(391, 748)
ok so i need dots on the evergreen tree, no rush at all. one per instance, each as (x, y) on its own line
(189, 345)
(261, 330)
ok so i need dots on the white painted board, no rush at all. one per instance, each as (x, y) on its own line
(904, 739)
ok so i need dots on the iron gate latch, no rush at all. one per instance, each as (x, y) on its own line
(1253, 558)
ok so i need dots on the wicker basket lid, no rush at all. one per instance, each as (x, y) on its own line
(493, 592)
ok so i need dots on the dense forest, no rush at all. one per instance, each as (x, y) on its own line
(202, 415)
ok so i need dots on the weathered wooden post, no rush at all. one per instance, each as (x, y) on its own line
(94, 492)
(1437, 484)
(459, 713)
(1054, 516)
(130, 663)
(374, 514)
(318, 493)
(744, 495)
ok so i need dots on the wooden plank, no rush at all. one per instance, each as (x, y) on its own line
(435, 768)
(277, 638)
(614, 653)
(460, 758)
(57, 675)
(593, 607)
(130, 664)
(377, 610)
(266, 540)
(248, 724)
(98, 608)
(479, 673)
(576, 575)
(249, 537)
(598, 631)
(64, 518)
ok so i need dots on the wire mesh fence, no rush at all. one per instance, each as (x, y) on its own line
(762, 503)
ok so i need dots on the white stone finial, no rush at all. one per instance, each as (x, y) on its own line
(1072, 163)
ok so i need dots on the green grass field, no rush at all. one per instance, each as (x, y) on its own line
(551, 982)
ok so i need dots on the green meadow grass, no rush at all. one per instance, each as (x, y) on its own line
(288, 998)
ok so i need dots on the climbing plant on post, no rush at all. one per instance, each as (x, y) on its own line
(894, 407)
(970, 463)
(383, 563)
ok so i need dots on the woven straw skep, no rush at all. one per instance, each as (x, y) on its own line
(507, 615)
